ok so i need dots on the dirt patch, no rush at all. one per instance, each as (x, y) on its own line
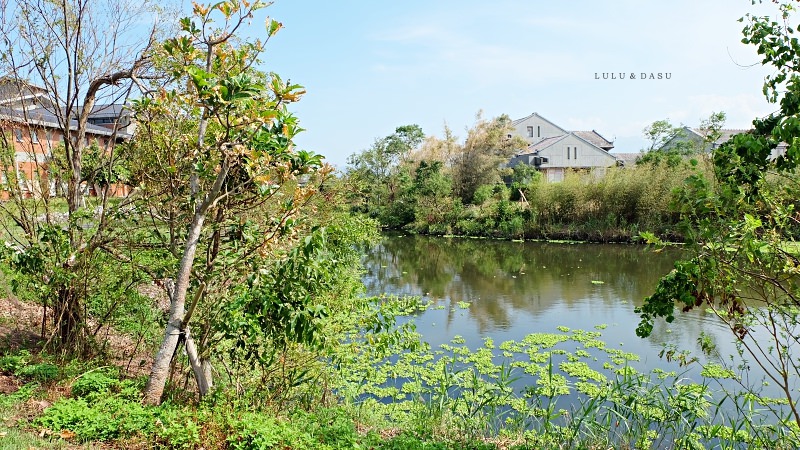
(155, 292)
(20, 328)
(9, 384)
(20, 325)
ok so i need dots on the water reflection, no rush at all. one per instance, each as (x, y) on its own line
(501, 278)
(516, 288)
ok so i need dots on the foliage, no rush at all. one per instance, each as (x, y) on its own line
(54, 251)
(222, 189)
(738, 220)
(672, 145)
(519, 202)
(486, 148)
(95, 383)
(295, 301)
(585, 398)
(379, 176)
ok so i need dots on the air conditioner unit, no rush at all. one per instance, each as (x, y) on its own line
(539, 160)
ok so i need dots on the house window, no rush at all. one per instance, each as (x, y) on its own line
(34, 136)
(567, 152)
(538, 131)
(530, 131)
(575, 152)
(18, 134)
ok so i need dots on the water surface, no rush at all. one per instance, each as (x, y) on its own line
(505, 290)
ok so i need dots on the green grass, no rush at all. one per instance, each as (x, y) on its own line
(13, 438)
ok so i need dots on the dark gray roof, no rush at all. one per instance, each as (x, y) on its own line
(44, 118)
(725, 134)
(113, 110)
(628, 159)
(595, 138)
(541, 145)
(14, 89)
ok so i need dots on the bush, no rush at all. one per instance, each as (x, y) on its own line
(260, 432)
(76, 416)
(482, 194)
(410, 442)
(12, 363)
(108, 419)
(96, 382)
(177, 429)
(44, 372)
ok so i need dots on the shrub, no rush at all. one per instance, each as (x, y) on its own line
(12, 363)
(44, 372)
(260, 432)
(108, 419)
(177, 429)
(75, 415)
(482, 194)
(96, 382)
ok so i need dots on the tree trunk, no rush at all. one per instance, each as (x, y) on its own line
(203, 383)
(207, 370)
(68, 318)
(160, 371)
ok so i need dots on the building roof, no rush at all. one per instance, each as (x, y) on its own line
(13, 90)
(112, 110)
(44, 118)
(518, 121)
(627, 159)
(541, 145)
(595, 138)
(536, 147)
(725, 134)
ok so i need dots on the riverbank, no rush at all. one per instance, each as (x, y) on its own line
(396, 397)
(615, 206)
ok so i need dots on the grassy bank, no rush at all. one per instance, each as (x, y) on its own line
(613, 207)
(567, 389)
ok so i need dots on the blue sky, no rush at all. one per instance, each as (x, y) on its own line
(370, 66)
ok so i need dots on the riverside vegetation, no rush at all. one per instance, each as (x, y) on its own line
(267, 342)
(443, 187)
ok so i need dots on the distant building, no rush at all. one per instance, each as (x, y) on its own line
(698, 140)
(28, 121)
(555, 151)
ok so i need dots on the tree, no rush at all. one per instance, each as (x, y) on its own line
(673, 144)
(485, 151)
(62, 57)
(659, 133)
(741, 226)
(221, 182)
(379, 176)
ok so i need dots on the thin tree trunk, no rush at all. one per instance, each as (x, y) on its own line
(177, 309)
(208, 372)
(203, 383)
(158, 375)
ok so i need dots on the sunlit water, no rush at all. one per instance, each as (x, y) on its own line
(505, 290)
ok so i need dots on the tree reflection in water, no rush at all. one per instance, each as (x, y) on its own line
(515, 288)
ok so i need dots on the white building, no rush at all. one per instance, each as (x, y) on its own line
(555, 151)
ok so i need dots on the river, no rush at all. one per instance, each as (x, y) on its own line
(506, 290)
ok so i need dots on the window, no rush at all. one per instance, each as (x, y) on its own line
(34, 136)
(18, 134)
(48, 134)
(530, 131)
(538, 131)
(575, 152)
(567, 152)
